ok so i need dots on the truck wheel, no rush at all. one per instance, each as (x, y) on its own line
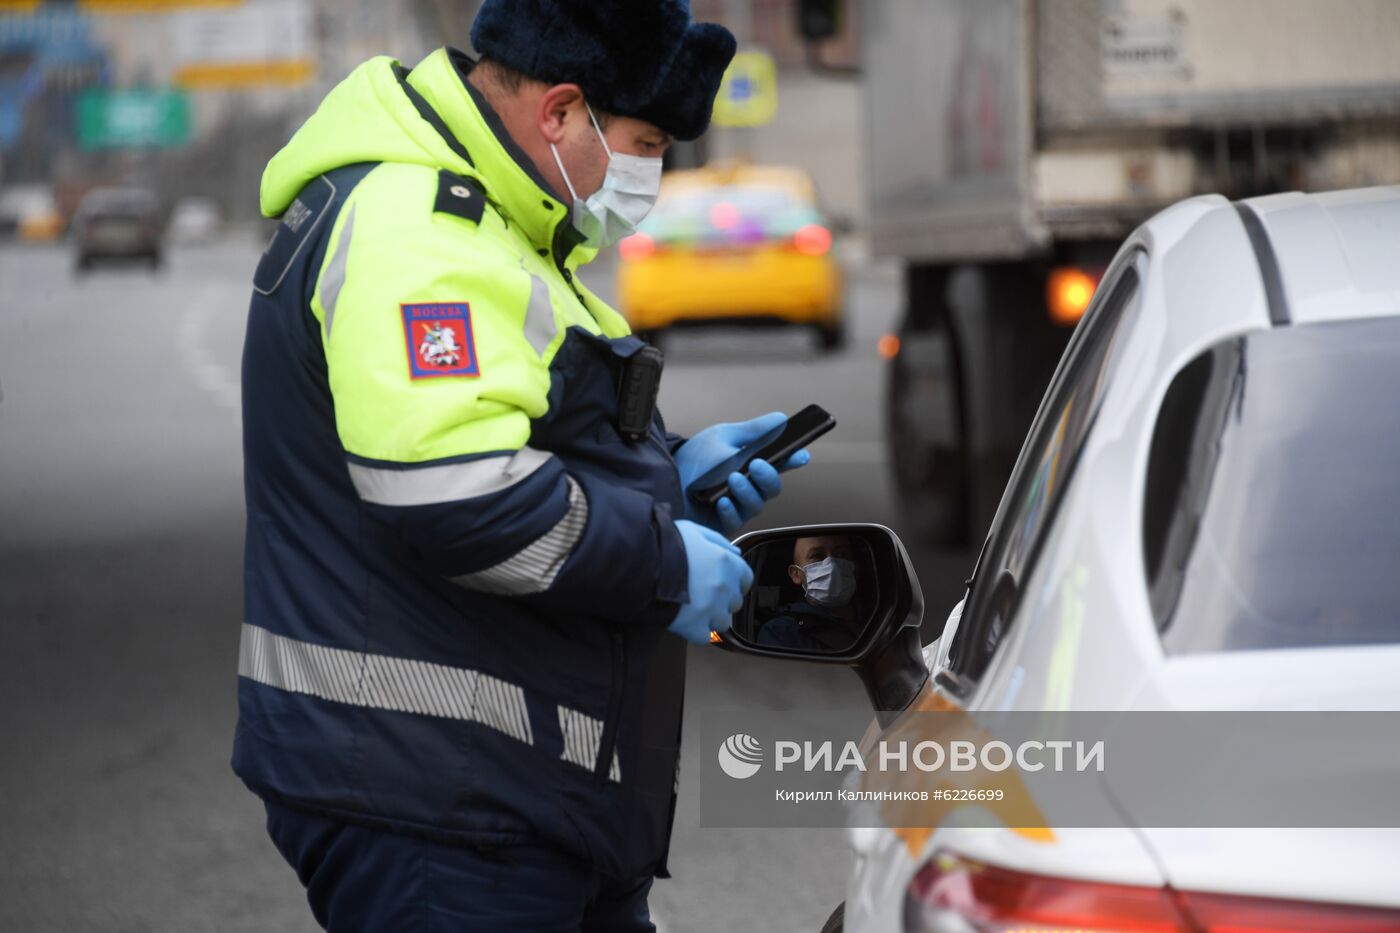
(923, 431)
(832, 337)
(1012, 351)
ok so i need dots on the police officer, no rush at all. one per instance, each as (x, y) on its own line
(471, 566)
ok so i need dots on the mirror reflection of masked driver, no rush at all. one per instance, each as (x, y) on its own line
(827, 618)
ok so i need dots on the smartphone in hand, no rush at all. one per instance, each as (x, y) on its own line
(776, 446)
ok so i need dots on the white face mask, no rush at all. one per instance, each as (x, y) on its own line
(629, 190)
(830, 582)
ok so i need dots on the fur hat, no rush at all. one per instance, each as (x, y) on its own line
(686, 96)
(617, 51)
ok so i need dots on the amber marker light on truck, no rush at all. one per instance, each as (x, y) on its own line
(1068, 292)
(888, 346)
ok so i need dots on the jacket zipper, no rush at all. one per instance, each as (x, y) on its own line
(608, 744)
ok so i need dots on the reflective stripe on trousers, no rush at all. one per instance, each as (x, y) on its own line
(403, 685)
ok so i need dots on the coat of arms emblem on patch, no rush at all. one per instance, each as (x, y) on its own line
(440, 340)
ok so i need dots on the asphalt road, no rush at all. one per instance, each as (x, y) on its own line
(121, 526)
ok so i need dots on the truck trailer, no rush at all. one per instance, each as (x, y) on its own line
(1013, 144)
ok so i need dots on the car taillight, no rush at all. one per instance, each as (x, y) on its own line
(953, 894)
(1227, 913)
(813, 240)
(637, 246)
(1068, 292)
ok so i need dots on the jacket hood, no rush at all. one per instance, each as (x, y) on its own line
(365, 118)
(430, 117)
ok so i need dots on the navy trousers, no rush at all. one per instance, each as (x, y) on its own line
(361, 880)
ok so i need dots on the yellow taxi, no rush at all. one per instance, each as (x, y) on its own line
(740, 244)
(42, 227)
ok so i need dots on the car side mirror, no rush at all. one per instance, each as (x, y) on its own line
(835, 594)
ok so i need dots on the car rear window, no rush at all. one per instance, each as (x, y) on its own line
(132, 204)
(1271, 513)
(119, 215)
(730, 214)
(748, 199)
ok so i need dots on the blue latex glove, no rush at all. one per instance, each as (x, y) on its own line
(747, 494)
(719, 578)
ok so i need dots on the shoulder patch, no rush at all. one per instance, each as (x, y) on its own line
(460, 197)
(440, 340)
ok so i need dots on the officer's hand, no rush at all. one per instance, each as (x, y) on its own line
(747, 495)
(719, 578)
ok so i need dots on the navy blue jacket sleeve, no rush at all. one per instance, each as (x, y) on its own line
(550, 537)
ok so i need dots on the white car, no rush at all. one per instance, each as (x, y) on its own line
(30, 212)
(194, 221)
(1205, 516)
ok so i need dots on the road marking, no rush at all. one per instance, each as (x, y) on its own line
(215, 379)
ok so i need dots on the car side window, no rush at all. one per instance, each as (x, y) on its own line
(1043, 470)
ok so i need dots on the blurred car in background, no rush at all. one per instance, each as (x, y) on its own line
(739, 244)
(30, 212)
(194, 221)
(121, 224)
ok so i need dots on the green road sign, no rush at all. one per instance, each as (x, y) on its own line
(133, 119)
